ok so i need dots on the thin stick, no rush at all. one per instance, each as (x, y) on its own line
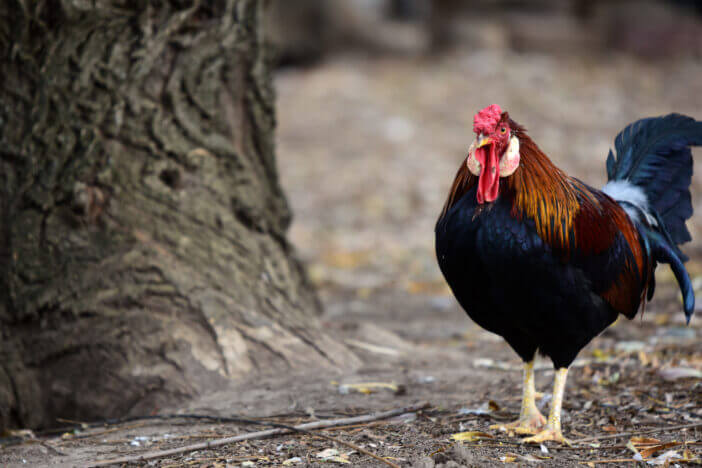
(613, 460)
(649, 431)
(267, 433)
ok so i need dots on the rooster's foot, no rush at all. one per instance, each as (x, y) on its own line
(548, 434)
(530, 424)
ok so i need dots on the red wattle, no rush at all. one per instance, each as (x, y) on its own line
(489, 181)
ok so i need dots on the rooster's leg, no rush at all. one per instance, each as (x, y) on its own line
(530, 419)
(552, 431)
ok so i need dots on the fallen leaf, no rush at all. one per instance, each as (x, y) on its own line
(511, 457)
(688, 455)
(675, 373)
(665, 458)
(644, 359)
(369, 387)
(630, 445)
(485, 408)
(330, 452)
(471, 436)
(292, 461)
(609, 429)
(638, 440)
(630, 346)
(600, 355)
(647, 452)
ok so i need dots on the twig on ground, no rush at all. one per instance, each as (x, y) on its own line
(280, 429)
(613, 460)
(634, 433)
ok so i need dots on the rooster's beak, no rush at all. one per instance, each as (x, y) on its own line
(483, 142)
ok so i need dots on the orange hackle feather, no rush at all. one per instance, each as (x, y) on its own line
(542, 192)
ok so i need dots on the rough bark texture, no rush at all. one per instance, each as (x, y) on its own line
(142, 242)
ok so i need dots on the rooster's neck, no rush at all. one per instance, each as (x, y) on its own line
(543, 193)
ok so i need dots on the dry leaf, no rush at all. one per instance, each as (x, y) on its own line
(471, 436)
(637, 456)
(665, 458)
(674, 373)
(609, 429)
(511, 457)
(600, 355)
(485, 408)
(687, 454)
(369, 387)
(638, 440)
(644, 359)
(330, 452)
(647, 452)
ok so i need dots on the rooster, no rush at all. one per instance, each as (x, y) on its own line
(548, 262)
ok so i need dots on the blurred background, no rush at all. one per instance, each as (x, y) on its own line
(375, 105)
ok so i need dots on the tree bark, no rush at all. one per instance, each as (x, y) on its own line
(143, 256)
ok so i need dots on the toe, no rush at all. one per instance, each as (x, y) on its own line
(528, 425)
(545, 436)
(526, 430)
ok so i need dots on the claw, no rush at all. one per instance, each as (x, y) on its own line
(530, 424)
(547, 434)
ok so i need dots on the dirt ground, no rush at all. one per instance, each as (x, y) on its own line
(367, 149)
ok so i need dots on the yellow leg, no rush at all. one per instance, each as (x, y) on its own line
(552, 431)
(530, 419)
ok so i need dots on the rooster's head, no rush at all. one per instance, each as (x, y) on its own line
(494, 153)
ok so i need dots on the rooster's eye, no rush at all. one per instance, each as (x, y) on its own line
(503, 130)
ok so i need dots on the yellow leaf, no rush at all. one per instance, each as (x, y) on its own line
(369, 387)
(471, 436)
(687, 455)
(638, 440)
(644, 359)
(599, 354)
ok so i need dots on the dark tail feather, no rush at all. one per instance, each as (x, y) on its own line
(654, 154)
(659, 250)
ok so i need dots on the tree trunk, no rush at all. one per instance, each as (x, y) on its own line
(143, 256)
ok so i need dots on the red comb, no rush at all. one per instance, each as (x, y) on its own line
(486, 120)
